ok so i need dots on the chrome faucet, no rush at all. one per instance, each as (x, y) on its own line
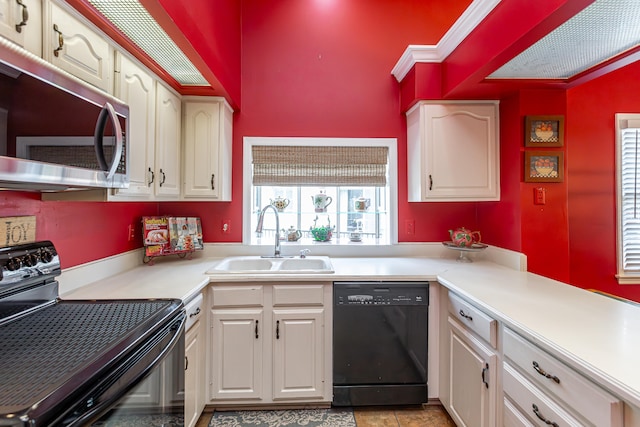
(276, 253)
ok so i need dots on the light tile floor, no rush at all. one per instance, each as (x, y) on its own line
(427, 416)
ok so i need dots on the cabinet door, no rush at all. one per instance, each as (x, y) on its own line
(194, 374)
(453, 152)
(77, 48)
(237, 350)
(207, 148)
(135, 86)
(167, 156)
(21, 22)
(473, 379)
(298, 353)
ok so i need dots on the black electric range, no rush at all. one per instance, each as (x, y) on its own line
(71, 363)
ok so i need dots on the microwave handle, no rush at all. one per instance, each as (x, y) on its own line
(108, 112)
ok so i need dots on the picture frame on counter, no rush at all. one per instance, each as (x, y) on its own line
(544, 131)
(543, 166)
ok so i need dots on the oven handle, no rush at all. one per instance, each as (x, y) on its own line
(126, 375)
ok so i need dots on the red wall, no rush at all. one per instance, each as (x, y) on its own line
(81, 231)
(322, 68)
(591, 176)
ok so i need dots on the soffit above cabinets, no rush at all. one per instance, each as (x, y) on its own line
(600, 32)
(132, 19)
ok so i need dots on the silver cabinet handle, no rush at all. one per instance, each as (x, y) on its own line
(25, 16)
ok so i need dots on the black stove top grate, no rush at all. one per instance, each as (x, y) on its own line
(63, 338)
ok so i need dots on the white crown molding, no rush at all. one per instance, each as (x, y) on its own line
(468, 21)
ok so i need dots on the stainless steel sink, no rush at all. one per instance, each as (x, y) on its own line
(259, 265)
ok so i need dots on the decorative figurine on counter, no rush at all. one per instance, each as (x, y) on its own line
(322, 233)
(293, 235)
(463, 237)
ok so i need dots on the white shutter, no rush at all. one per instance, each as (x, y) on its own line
(628, 198)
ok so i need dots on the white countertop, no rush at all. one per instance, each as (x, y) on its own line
(597, 335)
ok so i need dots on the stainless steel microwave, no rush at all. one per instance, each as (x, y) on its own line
(56, 131)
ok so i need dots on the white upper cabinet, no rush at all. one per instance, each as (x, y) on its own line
(21, 22)
(453, 151)
(207, 125)
(76, 47)
(136, 86)
(167, 153)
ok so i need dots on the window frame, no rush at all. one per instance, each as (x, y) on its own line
(392, 184)
(624, 276)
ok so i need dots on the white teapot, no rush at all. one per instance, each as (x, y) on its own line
(279, 203)
(321, 201)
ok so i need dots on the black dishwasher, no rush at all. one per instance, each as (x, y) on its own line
(380, 342)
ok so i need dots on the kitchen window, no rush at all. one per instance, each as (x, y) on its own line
(345, 185)
(628, 197)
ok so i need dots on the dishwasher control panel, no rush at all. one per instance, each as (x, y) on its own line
(380, 293)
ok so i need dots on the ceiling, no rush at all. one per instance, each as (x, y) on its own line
(600, 32)
(592, 36)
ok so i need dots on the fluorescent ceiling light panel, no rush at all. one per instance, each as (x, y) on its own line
(602, 30)
(130, 17)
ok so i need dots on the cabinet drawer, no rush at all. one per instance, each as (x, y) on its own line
(474, 319)
(585, 397)
(285, 295)
(194, 311)
(239, 295)
(538, 407)
(512, 417)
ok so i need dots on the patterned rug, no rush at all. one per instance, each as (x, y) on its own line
(334, 417)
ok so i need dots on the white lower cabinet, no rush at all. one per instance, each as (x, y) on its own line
(469, 363)
(545, 389)
(472, 377)
(194, 364)
(270, 343)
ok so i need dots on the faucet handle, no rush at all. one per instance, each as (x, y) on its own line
(304, 253)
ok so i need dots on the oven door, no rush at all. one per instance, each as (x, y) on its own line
(146, 388)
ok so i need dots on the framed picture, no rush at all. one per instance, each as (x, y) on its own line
(543, 166)
(544, 131)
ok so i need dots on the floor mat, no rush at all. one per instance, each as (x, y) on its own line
(333, 417)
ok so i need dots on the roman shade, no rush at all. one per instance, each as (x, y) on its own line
(319, 165)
